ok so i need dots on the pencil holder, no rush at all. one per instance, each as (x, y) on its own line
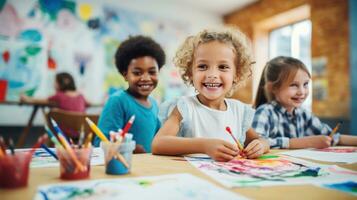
(74, 164)
(14, 170)
(118, 156)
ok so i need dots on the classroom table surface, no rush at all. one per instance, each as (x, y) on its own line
(152, 165)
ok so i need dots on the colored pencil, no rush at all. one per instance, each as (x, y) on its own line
(88, 140)
(81, 137)
(128, 125)
(71, 153)
(52, 136)
(335, 129)
(96, 130)
(57, 129)
(122, 159)
(40, 141)
(53, 154)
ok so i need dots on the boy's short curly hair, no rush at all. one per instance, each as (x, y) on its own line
(230, 35)
(135, 47)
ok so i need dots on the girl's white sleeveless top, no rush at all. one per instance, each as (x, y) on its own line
(199, 120)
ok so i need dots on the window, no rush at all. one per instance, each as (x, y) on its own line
(293, 40)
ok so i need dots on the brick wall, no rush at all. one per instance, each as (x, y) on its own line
(330, 28)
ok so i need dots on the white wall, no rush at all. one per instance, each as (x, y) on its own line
(168, 9)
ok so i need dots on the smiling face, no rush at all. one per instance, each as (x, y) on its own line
(213, 71)
(142, 76)
(292, 95)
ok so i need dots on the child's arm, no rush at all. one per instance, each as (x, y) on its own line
(166, 142)
(315, 141)
(348, 140)
(27, 99)
(257, 146)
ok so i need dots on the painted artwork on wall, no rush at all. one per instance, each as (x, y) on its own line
(40, 38)
(268, 171)
(173, 186)
(20, 66)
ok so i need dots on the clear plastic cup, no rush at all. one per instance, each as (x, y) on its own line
(14, 170)
(118, 156)
(75, 166)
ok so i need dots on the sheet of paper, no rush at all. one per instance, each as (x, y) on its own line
(331, 154)
(43, 159)
(269, 170)
(173, 187)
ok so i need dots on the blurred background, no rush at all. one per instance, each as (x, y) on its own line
(39, 38)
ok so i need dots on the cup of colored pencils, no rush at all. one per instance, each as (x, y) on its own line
(118, 153)
(14, 166)
(74, 163)
(74, 159)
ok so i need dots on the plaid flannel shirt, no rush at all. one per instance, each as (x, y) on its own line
(273, 122)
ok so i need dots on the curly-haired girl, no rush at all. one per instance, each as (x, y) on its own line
(214, 62)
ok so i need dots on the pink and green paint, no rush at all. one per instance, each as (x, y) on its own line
(266, 171)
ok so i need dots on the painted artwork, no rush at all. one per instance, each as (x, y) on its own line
(39, 38)
(338, 149)
(268, 170)
(21, 66)
(349, 187)
(174, 186)
(331, 154)
(42, 158)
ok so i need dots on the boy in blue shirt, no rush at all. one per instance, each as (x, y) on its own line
(138, 60)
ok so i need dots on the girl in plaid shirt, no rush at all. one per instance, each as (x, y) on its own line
(279, 117)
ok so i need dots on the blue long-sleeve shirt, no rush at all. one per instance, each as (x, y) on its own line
(117, 112)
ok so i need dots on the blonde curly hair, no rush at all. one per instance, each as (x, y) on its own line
(230, 35)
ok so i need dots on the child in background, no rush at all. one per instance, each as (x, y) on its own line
(66, 96)
(283, 87)
(214, 62)
(138, 60)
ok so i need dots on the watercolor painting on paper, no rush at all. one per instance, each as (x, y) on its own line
(331, 154)
(173, 186)
(338, 149)
(267, 171)
(349, 187)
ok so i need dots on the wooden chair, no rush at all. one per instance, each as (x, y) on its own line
(70, 122)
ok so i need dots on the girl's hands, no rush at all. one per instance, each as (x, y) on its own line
(220, 150)
(254, 149)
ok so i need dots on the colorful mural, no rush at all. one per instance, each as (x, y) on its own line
(41, 37)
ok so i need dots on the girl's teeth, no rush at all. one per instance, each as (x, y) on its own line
(212, 85)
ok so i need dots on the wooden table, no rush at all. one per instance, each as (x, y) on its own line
(36, 106)
(151, 165)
